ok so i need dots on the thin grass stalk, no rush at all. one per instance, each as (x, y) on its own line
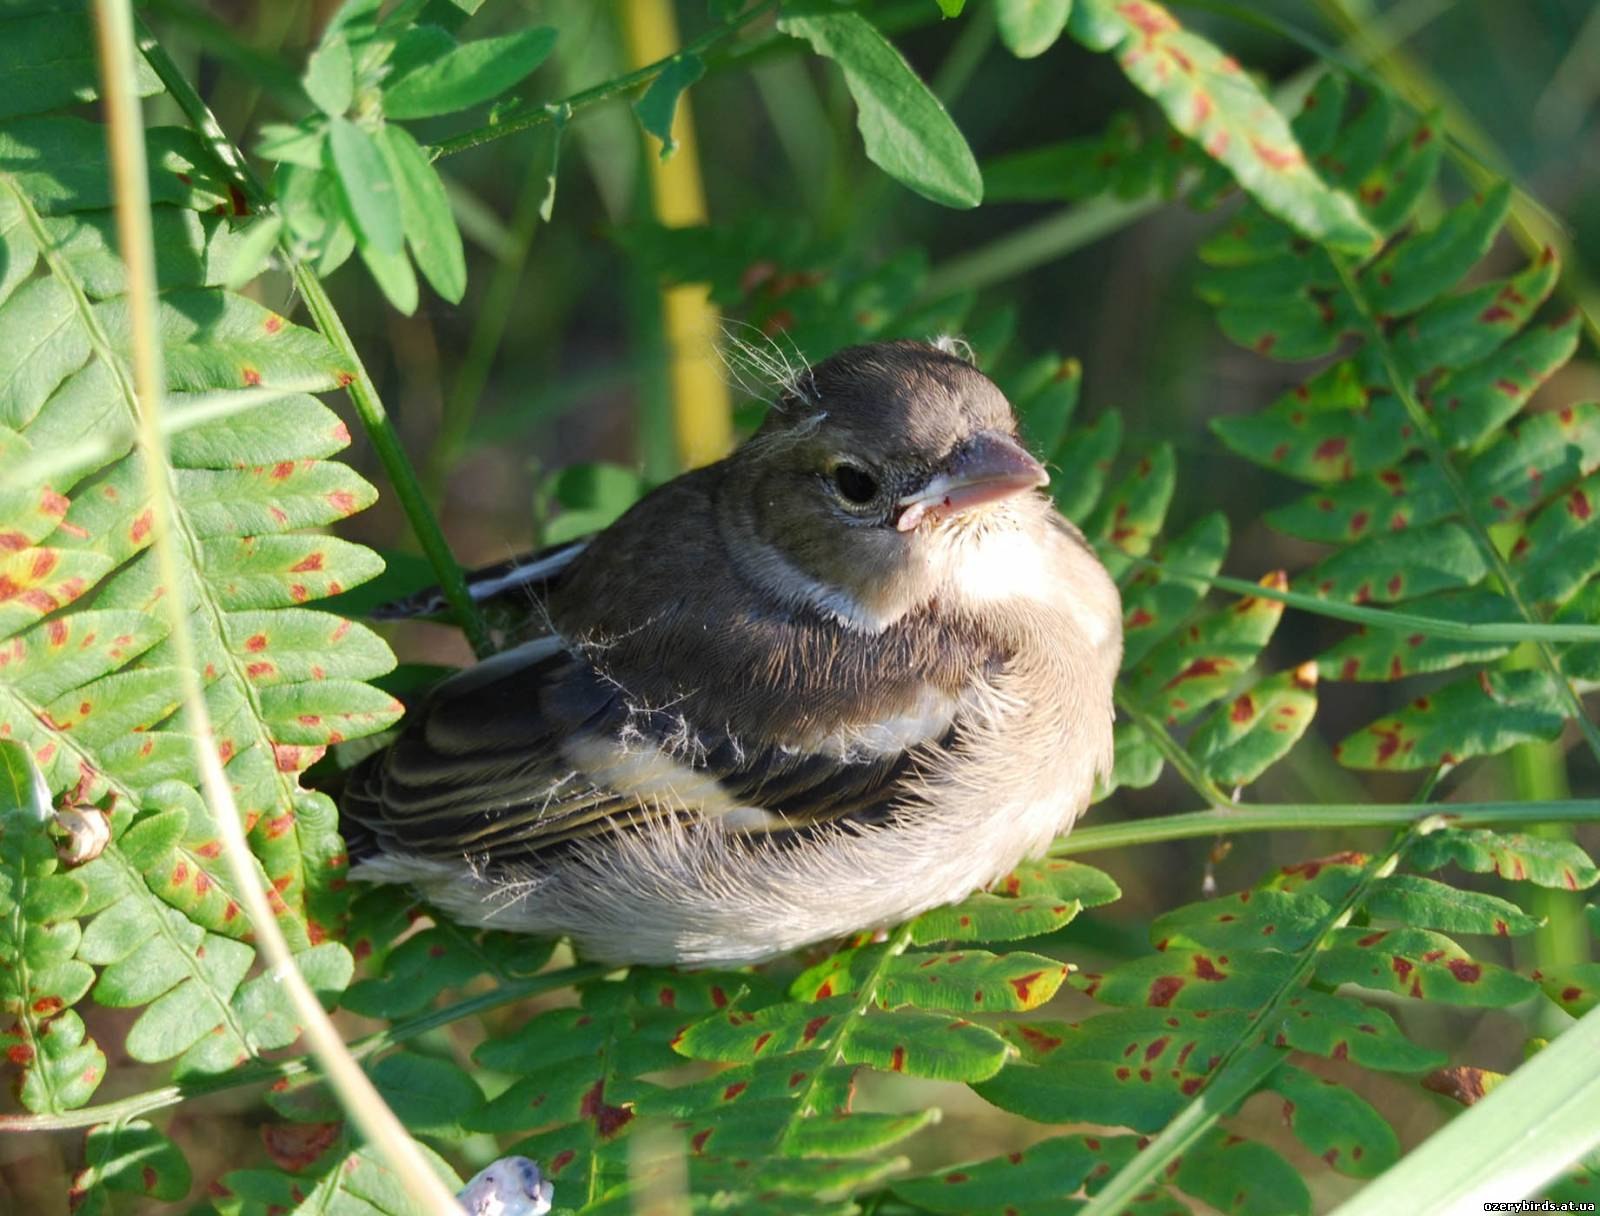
(114, 26)
(1315, 817)
(1509, 1145)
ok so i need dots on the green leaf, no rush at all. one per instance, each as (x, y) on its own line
(1417, 963)
(1128, 520)
(39, 935)
(1184, 978)
(430, 227)
(1389, 654)
(253, 253)
(1265, 919)
(131, 1159)
(1133, 1068)
(1233, 1174)
(1044, 1174)
(962, 980)
(1208, 98)
(1573, 986)
(1088, 452)
(1390, 566)
(1518, 856)
(394, 277)
(1200, 664)
(431, 1096)
(905, 129)
(1425, 904)
(467, 75)
(1156, 602)
(1335, 1124)
(330, 79)
(1242, 739)
(1470, 717)
(923, 1044)
(1342, 1028)
(48, 60)
(1031, 27)
(367, 189)
(1063, 880)
(658, 105)
(991, 918)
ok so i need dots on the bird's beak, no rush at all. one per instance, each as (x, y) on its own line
(987, 468)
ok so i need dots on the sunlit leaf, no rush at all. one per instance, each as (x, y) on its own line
(903, 126)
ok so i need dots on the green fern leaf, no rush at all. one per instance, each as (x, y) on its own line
(87, 682)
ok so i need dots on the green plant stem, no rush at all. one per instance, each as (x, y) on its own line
(363, 392)
(1389, 619)
(1045, 241)
(1435, 449)
(1539, 775)
(1313, 817)
(488, 330)
(898, 942)
(1174, 754)
(266, 1072)
(222, 40)
(534, 116)
(1250, 1060)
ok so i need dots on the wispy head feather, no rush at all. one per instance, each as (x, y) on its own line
(953, 344)
(759, 365)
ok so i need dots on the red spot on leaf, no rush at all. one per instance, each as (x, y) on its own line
(294, 1146)
(1162, 989)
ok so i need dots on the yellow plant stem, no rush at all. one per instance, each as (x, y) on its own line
(377, 1123)
(701, 411)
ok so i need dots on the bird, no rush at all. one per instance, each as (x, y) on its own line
(857, 669)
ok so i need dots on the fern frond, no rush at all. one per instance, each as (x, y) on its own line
(87, 684)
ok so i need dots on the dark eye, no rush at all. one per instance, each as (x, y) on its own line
(855, 483)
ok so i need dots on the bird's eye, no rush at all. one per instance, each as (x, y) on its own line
(855, 484)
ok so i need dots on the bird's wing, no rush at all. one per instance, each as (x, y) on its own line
(513, 585)
(534, 751)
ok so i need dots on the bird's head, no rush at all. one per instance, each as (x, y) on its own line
(874, 472)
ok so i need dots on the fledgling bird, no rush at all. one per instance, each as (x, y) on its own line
(855, 670)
